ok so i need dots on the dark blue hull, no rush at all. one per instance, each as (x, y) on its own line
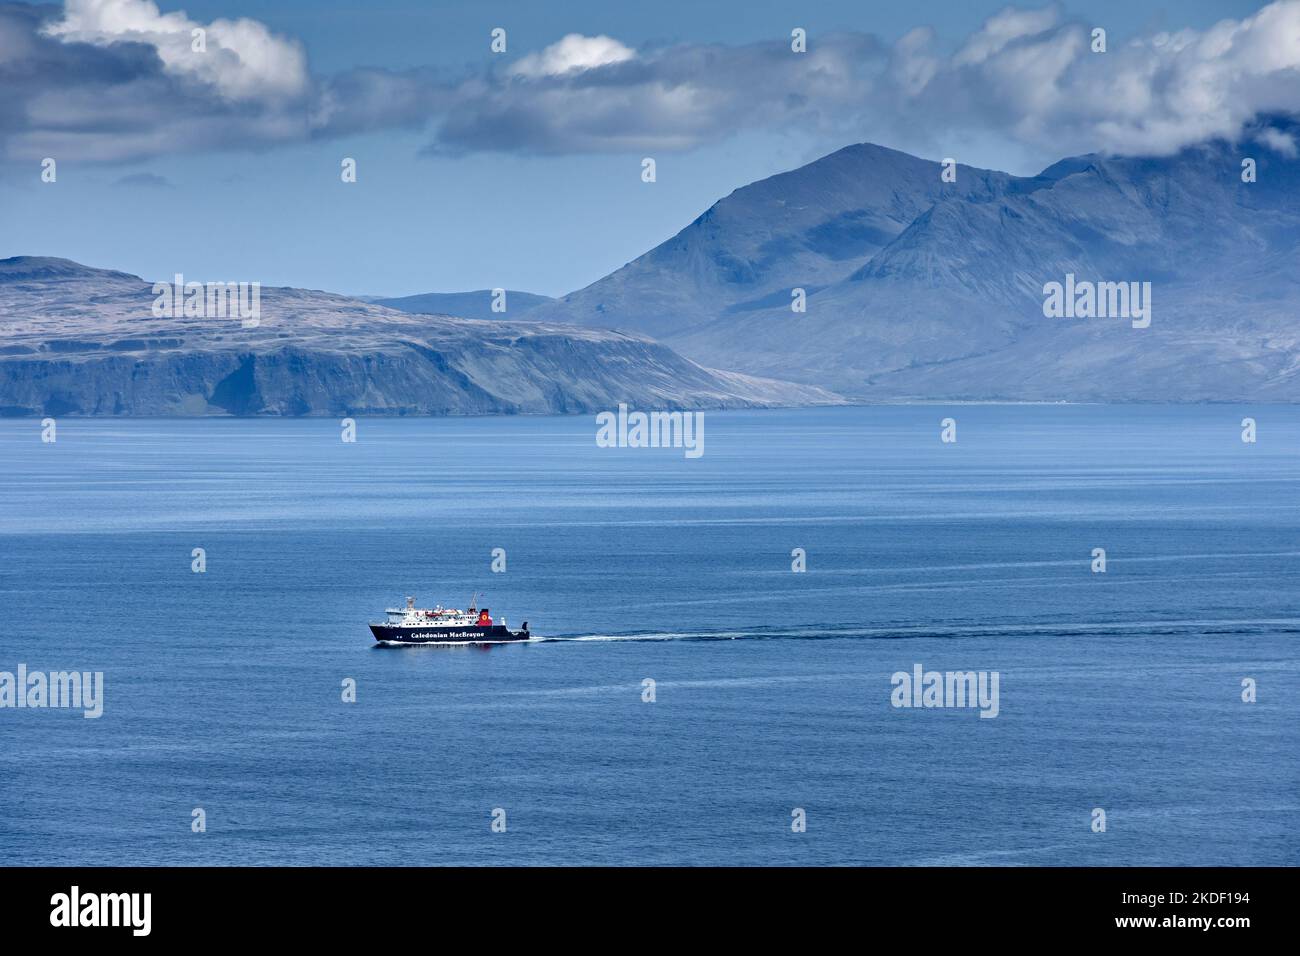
(436, 634)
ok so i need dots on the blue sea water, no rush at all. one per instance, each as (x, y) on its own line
(1120, 691)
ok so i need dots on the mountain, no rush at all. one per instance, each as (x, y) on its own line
(468, 305)
(819, 223)
(920, 289)
(75, 340)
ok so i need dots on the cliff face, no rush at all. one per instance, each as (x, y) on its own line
(82, 341)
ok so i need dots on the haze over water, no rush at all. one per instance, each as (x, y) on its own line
(222, 690)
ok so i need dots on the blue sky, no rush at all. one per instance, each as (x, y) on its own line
(475, 171)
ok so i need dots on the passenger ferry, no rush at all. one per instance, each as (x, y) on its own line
(443, 625)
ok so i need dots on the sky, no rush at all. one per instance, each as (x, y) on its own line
(522, 169)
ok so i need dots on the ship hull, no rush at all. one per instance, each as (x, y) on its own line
(447, 634)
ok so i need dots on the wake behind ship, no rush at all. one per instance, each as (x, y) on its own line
(440, 625)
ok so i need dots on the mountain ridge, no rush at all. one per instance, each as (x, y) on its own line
(466, 305)
(76, 340)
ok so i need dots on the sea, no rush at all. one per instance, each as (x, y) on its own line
(720, 642)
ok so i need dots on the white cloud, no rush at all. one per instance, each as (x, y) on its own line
(243, 59)
(1026, 82)
(1001, 29)
(574, 53)
(1035, 78)
(1278, 141)
(1027, 76)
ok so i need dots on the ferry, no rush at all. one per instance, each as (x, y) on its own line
(444, 625)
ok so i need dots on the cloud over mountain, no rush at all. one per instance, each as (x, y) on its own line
(117, 79)
(110, 80)
(1032, 76)
(242, 60)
